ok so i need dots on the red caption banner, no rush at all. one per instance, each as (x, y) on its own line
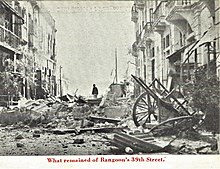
(104, 159)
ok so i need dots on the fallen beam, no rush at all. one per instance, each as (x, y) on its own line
(79, 131)
(101, 130)
(104, 119)
(139, 145)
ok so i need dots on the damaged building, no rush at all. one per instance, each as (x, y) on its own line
(175, 39)
(27, 51)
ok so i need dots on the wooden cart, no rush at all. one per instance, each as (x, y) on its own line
(157, 107)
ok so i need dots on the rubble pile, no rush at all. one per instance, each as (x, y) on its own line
(66, 127)
(51, 114)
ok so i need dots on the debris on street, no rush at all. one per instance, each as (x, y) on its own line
(70, 125)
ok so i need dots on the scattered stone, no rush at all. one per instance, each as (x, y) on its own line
(19, 137)
(60, 132)
(65, 146)
(19, 145)
(36, 135)
(26, 127)
(37, 131)
(129, 150)
(86, 123)
(107, 143)
(79, 141)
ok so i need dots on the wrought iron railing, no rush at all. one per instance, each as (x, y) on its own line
(8, 37)
(140, 4)
(171, 4)
(134, 14)
(159, 11)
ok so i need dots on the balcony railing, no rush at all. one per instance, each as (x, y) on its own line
(134, 14)
(138, 37)
(159, 11)
(148, 27)
(6, 36)
(134, 49)
(140, 4)
(171, 4)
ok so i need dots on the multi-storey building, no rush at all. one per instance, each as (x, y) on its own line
(27, 49)
(175, 38)
(39, 31)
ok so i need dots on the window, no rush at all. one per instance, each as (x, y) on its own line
(186, 2)
(168, 53)
(8, 21)
(152, 52)
(145, 72)
(48, 43)
(167, 41)
(144, 56)
(151, 15)
(184, 39)
(181, 39)
(163, 43)
(153, 69)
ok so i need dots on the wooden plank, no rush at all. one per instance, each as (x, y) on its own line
(78, 131)
(104, 119)
(137, 143)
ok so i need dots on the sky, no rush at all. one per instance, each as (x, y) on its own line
(87, 34)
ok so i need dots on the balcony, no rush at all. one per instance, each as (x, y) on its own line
(177, 10)
(148, 29)
(140, 4)
(16, 10)
(8, 39)
(180, 13)
(138, 37)
(134, 49)
(171, 4)
(134, 14)
(159, 17)
(159, 12)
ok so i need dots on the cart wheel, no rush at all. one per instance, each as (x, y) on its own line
(145, 110)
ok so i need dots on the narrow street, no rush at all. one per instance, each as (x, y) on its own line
(79, 129)
(115, 78)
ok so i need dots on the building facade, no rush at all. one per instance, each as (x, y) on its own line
(27, 50)
(174, 39)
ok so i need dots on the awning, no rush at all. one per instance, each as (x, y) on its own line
(208, 36)
(176, 55)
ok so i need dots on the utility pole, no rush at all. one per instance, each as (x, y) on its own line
(60, 81)
(116, 66)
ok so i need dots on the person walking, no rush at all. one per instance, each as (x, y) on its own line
(95, 91)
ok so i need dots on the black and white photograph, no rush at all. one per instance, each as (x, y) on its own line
(109, 78)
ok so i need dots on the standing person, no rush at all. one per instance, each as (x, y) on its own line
(124, 88)
(95, 91)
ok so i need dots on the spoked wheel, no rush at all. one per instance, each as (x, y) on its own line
(145, 110)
